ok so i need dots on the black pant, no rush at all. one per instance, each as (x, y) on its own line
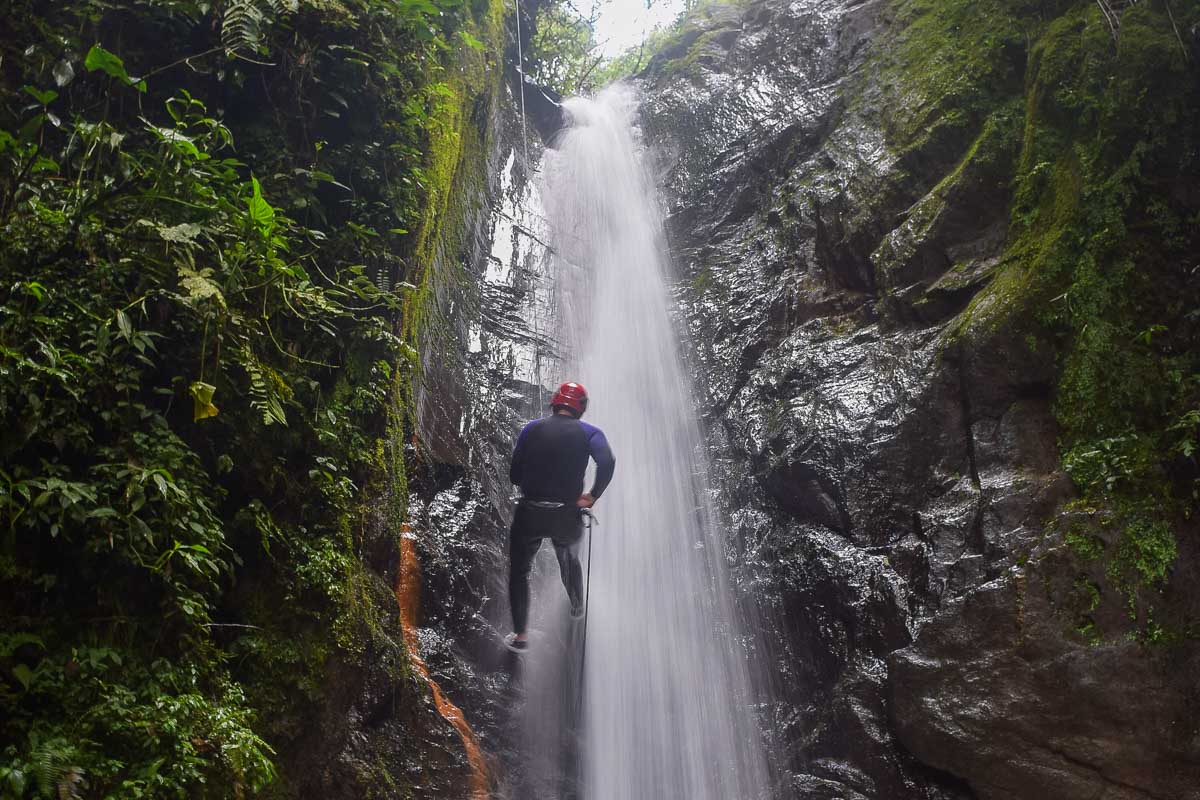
(563, 527)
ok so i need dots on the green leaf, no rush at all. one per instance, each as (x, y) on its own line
(470, 41)
(124, 324)
(202, 405)
(16, 781)
(100, 59)
(200, 287)
(9, 643)
(24, 674)
(181, 142)
(30, 129)
(418, 8)
(45, 97)
(262, 213)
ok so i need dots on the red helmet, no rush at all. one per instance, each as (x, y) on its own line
(572, 397)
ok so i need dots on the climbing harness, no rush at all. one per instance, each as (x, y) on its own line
(544, 505)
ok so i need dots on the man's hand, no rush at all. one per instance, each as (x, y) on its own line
(585, 501)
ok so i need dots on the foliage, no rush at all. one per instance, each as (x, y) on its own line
(1100, 262)
(564, 53)
(153, 730)
(205, 275)
(562, 49)
(245, 22)
(1114, 247)
(633, 60)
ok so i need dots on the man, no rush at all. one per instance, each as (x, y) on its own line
(548, 463)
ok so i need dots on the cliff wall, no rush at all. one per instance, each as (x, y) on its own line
(936, 263)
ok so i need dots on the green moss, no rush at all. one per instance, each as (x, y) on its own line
(1088, 630)
(1145, 553)
(452, 175)
(986, 163)
(1084, 544)
(1086, 600)
(950, 65)
(1096, 255)
(355, 614)
(684, 49)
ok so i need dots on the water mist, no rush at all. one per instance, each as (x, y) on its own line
(666, 700)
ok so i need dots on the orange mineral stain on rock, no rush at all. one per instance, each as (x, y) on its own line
(408, 595)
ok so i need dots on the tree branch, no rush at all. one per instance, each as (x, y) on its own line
(1178, 37)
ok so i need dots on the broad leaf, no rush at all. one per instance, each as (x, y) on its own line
(200, 287)
(202, 405)
(261, 212)
(43, 96)
(24, 674)
(100, 59)
(181, 142)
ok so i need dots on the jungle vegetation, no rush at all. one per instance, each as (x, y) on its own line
(216, 221)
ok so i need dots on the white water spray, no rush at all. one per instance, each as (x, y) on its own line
(667, 699)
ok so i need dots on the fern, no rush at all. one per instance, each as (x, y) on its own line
(268, 390)
(53, 770)
(245, 23)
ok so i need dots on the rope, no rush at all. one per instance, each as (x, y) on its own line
(521, 75)
(537, 338)
(587, 592)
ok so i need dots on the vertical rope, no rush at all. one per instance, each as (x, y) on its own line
(537, 338)
(587, 594)
(521, 75)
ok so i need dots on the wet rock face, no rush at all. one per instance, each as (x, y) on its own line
(993, 689)
(478, 394)
(887, 465)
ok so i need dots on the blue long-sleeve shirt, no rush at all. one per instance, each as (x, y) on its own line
(550, 459)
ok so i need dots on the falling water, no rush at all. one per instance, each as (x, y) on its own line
(666, 695)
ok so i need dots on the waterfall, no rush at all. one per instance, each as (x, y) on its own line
(667, 703)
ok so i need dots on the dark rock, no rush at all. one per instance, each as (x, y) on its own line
(883, 421)
(543, 109)
(996, 691)
(799, 489)
(879, 404)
